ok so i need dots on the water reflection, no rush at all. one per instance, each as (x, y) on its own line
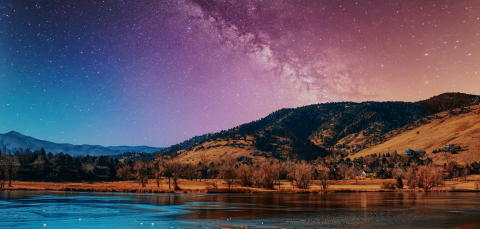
(122, 210)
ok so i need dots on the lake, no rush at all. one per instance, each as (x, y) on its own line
(53, 209)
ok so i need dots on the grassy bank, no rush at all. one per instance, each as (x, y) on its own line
(187, 186)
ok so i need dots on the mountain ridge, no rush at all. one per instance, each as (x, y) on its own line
(307, 132)
(15, 140)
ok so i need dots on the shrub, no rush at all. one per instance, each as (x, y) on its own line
(388, 185)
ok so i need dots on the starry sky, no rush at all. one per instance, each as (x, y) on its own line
(148, 72)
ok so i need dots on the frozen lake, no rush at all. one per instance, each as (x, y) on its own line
(51, 209)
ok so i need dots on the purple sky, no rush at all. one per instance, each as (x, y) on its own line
(159, 72)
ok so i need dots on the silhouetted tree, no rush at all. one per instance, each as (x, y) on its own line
(399, 184)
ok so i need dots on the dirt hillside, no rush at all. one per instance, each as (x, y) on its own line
(461, 128)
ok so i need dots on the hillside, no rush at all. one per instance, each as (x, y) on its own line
(460, 127)
(14, 140)
(308, 132)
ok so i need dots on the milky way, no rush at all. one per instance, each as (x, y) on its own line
(159, 72)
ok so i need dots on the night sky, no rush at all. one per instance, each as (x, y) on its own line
(131, 72)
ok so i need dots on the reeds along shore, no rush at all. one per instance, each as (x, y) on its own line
(205, 186)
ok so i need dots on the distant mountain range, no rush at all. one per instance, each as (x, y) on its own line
(15, 140)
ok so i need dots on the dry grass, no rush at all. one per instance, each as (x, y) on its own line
(110, 186)
(462, 130)
(366, 185)
(219, 150)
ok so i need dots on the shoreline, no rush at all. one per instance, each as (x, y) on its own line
(201, 187)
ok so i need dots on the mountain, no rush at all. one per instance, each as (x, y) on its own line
(15, 140)
(308, 132)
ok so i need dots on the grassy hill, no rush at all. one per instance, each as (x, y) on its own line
(305, 133)
(460, 127)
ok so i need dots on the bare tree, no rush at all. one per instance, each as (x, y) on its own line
(272, 174)
(352, 173)
(465, 172)
(245, 175)
(322, 175)
(141, 172)
(428, 177)
(302, 175)
(287, 171)
(172, 170)
(342, 169)
(227, 171)
(398, 173)
(266, 175)
(452, 166)
(176, 168)
(190, 171)
(158, 170)
(412, 178)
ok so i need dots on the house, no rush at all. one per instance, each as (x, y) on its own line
(367, 174)
(450, 147)
(410, 152)
(446, 175)
(420, 152)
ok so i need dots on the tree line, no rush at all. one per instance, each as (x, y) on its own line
(419, 171)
